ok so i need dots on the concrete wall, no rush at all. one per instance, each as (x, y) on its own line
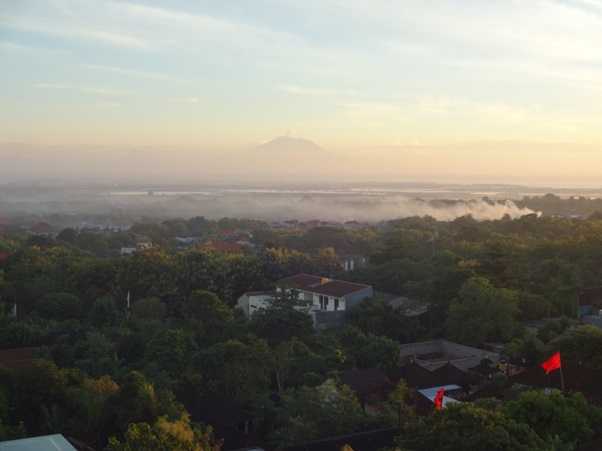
(250, 304)
(353, 299)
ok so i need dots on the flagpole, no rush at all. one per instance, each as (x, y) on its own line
(561, 379)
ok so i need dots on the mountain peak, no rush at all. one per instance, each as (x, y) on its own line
(288, 144)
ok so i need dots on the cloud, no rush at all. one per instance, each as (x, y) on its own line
(312, 91)
(589, 6)
(133, 73)
(204, 27)
(83, 89)
(9, 46)
(189, 100)
(101, 36)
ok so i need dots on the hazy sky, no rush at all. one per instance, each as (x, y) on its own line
(518, 80)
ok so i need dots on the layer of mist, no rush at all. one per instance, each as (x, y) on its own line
(127, 206)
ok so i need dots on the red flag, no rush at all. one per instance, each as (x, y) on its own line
(553, 363)
(439, 398)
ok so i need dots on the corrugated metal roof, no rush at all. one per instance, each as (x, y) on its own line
(54, 442)
(430, 393)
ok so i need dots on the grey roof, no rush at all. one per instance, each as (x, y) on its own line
(54, 442)
(407, 306)
(434, 354)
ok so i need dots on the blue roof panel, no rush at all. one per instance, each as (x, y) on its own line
(54, 442)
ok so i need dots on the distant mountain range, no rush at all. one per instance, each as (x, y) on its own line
(288, 145)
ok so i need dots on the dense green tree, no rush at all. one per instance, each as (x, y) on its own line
(104, 312)
(310, 413)
(134, 402)
(567, 419)
(208, 314)
(234, 370)
(526, 350)
(149, 309)
(39, 395)
(461, 427)
(68, 235)
(59, 306)
(165, 435)
(581, 344)
(293, 361)
(367, 350)
(482, 313)
(170, 351)
(376, 317)
(286, 318)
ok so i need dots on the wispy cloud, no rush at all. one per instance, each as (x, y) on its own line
(589, 6)
(83, 89)
(313, 91)
(103, 36)
(188, 100)
(133, 73)
(9, 46)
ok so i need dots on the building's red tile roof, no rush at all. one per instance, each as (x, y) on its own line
(300, 281)
(591, 296)
(41, 227)
(321, 285)
(18, 357)
(338, 288)
(223, 246)
(366, 381)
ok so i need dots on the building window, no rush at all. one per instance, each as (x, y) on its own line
(336, 303)
(323, 302)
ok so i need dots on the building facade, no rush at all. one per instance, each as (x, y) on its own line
(323, 298)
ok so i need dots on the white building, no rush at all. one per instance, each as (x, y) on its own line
(326, 299)
(252, 301)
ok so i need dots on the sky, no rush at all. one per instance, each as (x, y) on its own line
(468, 89)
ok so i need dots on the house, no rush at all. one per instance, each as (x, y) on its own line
(371, 385)
(406, 306)
(324, 294)
(128, 251)
(434, 354)
(54, 442)
(426, 400)
(590, 301)
(441, 362)
(352, 262)
(4, 257)
(252, 301)
(184, 241)
(41, 229)
(590, 306)
(325, 299)
(144, 245)
(224, 247)
(18, 357)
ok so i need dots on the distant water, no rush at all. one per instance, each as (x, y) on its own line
(160, 193)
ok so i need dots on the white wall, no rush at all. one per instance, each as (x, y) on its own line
(250, 304)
